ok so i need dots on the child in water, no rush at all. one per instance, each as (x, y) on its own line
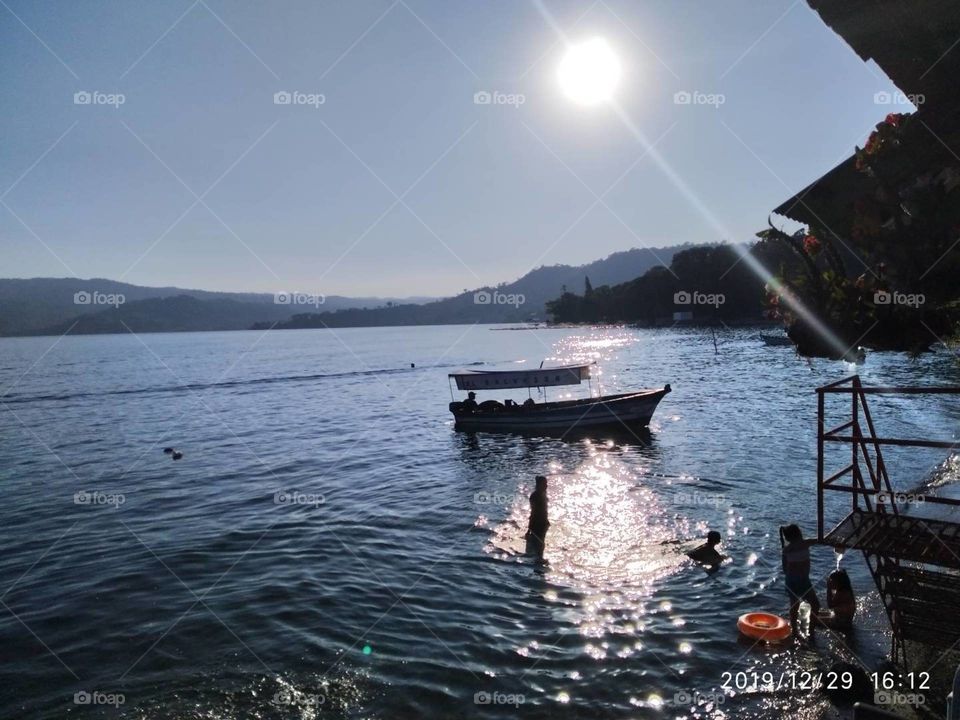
(707, 553)
(796, 568)
(840, 599)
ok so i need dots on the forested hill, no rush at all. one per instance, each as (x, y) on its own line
(47, 306)
(43, 306)
(708, 284)
(521, 300)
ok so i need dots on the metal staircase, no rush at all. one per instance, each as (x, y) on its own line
(914, 560)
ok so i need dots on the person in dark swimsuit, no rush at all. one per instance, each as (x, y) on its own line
(796, 568)
(707, 554)
(539, 523)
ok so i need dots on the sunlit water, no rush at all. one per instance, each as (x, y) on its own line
(329, 547)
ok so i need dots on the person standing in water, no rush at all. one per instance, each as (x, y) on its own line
(539, 523)
(796, 568)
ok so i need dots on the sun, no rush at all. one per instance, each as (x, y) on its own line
(590, 72)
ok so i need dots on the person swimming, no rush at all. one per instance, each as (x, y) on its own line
(796, 568)
(707, 553)
(539, 522)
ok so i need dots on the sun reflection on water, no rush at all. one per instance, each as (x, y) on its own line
(599, 346)
(610, 540)
(617, 597)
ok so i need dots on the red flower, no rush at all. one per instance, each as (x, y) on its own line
(893, 119)
(811, 245)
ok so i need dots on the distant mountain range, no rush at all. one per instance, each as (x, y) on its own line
(522, 300)
(53, 306)
(46, 306)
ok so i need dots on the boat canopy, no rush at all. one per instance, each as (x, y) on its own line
(537, 377)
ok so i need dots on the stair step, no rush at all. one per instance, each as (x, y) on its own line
(936, 542)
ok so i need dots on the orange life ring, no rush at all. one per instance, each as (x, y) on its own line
(764, 626)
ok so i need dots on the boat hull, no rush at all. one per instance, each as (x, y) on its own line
(628, 410)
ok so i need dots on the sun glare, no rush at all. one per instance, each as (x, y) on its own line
(589, 72)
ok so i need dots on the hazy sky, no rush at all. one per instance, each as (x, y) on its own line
(399, 183)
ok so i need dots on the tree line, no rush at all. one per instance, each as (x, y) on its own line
(710, 283)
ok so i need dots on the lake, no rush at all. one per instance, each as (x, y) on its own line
(329, 547)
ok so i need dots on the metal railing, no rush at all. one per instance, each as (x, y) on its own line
(867, 481)
(870, 490)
